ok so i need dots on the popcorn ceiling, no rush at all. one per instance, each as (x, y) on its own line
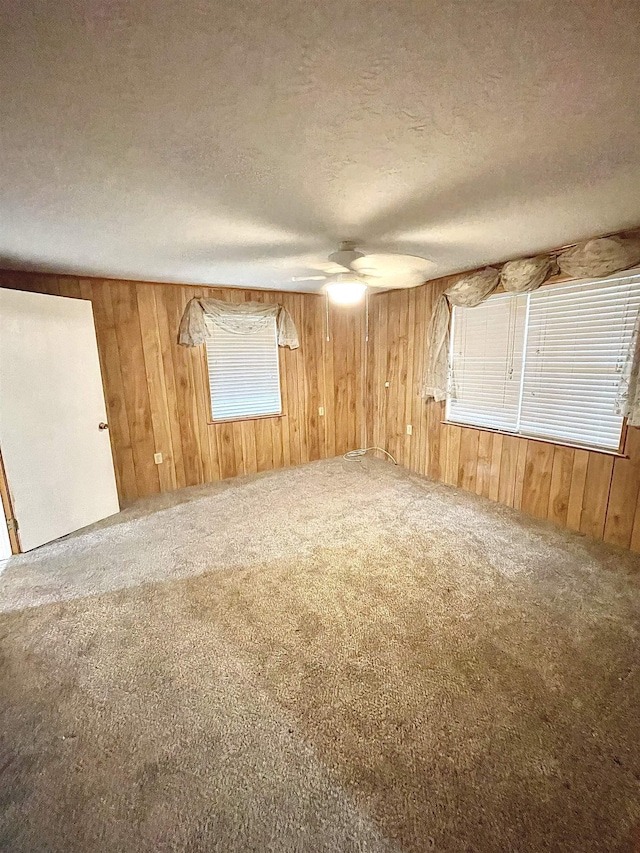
(238, 143)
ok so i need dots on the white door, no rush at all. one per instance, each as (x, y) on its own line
(57, 460)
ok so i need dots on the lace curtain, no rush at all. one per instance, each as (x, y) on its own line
(628, 399)
(468, 291)
(239, 318)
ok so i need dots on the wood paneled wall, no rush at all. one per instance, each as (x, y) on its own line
(157, 392)
(594, 493)
(157, 400)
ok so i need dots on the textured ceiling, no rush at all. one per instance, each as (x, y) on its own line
(236, 143)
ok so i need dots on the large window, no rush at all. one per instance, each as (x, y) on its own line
(244, 373)
(545, 364)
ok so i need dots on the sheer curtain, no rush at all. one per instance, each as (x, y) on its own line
(239, 318)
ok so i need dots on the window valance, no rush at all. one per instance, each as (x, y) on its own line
(238, 318)
(527, 274)
(602, 256)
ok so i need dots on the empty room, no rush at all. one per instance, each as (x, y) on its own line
(320, 427)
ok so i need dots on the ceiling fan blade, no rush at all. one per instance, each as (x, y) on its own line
(330, 268)
(369, 272)
(395, 282)
(308, 278)
(394, 266)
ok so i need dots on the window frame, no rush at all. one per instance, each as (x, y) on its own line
(212, 421)
(619, 452)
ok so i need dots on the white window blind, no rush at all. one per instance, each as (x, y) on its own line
(244, 373)
(578, 337)
(568, 343)
(486, 350)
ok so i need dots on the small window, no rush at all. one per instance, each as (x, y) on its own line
(545, 364)
(244, 372)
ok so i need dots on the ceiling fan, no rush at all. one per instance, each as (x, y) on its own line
(349, 273)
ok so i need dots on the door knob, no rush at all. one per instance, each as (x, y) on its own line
(102, 425)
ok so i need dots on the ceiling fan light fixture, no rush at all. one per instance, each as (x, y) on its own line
(346, 289)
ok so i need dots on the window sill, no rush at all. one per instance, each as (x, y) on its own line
(555, 441)
(248, 418)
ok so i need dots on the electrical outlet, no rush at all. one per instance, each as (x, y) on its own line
(157, 458)
(386, 384)
(321, 411)
(409, 429)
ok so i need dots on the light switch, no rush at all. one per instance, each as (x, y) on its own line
(157, 458)
(321, 411)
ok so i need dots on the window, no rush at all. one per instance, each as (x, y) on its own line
(244, 372)
(545, 364)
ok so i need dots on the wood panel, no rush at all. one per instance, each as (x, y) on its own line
(594, 493)
(157, 392)
(624, 493)
(560, 485)
(6, 511)
(536, 482)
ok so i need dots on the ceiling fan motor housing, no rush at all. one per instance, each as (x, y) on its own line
(346, 254)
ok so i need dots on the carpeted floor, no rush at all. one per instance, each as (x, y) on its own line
(336, 657)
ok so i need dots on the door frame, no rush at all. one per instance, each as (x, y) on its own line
(7, 508)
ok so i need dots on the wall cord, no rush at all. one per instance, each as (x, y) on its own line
(355, 455)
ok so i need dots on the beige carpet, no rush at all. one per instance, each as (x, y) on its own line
(337, 657)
